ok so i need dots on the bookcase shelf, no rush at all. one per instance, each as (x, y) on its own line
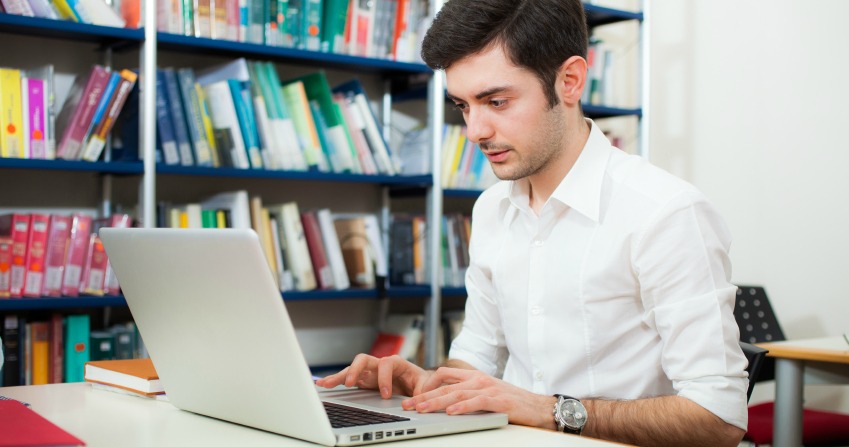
(105, 167)
(216, 47)
(50, 303)
(387, 180)
(64, 29)
(600, 15)
(596, 111)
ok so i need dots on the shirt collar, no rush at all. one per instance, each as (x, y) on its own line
(581, 188)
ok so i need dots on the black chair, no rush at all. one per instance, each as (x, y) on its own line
(758, 324)
(755, 355)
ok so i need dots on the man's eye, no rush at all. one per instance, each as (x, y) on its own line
(497, 103)
(459, 106)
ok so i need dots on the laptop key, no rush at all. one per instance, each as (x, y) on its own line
(344, 416)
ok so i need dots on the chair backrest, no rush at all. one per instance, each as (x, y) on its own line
(755, 316)
(756, 356)
(758, 323)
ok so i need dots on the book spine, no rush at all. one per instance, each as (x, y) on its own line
(11, 115)
(164, 123)
(12, 351)
(178, 119)
(36, 118)
(36, 252)
(97, 142)
(72, 140)
(57, 349)
(318, 254)
(111, 285)
(19, 232)
(194, 118)
(40, 335)
(94, 270)
(54, 263)
(75, 258)
(5, 266)
(77, 330)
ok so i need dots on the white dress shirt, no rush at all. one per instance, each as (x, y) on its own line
(618, 289)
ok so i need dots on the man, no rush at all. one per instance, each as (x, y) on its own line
(593, 274)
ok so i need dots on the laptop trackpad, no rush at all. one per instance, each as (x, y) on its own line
(373, 400)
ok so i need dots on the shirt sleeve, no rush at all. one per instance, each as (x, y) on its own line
(481, 340)
(681, 259)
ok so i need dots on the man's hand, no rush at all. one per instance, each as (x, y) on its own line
(460, 391)
(391, 375)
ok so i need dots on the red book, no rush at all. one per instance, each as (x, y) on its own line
(94, 269)
(57, 349)
(36, 251)
(54, 261)
(110, 281)
(386, 344)
(75, 257)
(5, 266)
(318, 254)
(21, 427)
(16, 226)
(74, 119)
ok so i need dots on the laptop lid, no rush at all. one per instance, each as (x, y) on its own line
(213, 321)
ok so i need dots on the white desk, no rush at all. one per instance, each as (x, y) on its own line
(106, 419)
(800, 362)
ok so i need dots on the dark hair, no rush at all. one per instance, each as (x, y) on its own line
(535, 34)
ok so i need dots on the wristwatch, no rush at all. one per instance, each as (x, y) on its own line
(569, 414)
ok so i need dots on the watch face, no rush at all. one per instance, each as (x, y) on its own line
(573, 414)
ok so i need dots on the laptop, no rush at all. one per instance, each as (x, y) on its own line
(216, 327)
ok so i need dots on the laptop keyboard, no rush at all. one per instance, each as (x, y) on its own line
(343, 416)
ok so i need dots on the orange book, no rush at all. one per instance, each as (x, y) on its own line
(136, 375)
(39, 335)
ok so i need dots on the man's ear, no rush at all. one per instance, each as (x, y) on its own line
(571, 78)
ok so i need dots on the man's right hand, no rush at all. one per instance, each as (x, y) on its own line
(391, 375)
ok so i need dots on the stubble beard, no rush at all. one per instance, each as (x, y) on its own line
(546, 148)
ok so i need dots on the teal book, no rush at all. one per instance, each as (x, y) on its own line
(125, 341)
(333, 30)
(247, 121)
(312, 13)
(77, 338)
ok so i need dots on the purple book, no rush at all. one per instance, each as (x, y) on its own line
(36, 116)
(75, 118)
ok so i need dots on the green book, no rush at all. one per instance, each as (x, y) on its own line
(102, 345)
(339, 149)
(77, 328)
(333, 31)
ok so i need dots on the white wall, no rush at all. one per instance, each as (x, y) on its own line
(750, 102)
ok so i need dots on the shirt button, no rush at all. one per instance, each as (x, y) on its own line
(538, 375)
(538, 242)
(536, 310)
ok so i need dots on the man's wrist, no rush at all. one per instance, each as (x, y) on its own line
(547, 417)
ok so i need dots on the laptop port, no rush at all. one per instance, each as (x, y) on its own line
(411, 431)
(388, 434)
(378, 435)
(366, 436)
(355, 438)
(399, 432)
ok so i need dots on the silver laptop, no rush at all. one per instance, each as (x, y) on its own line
(215, 325)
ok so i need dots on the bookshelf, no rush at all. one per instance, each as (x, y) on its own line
(144, 182)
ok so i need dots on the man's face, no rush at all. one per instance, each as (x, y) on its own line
(507, 114)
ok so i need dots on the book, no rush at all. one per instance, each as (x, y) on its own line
(94, 267)
(318, 254)
(136, 375)
(35, 119)
(287, 144)
(356, 97)
(57, 348)
(12, 350)
(11, 114)
(75, 255)
(225, 120)
(165, 134)
(39, 341)
(295, 97)
(297, 255)
(355, 250)
(236, 203)
(194, 116)
(102, 345)
(100, 131)
(54, 260)
(16, 226)
(22, 426)
(44, 74)
(110, 281)
(338, 146)
(333, 249)
(77, 339)
(5, 266)
(76, 115)
(178, 119)
(36, 254)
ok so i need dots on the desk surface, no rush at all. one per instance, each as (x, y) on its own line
(827, 349)
(103, 418)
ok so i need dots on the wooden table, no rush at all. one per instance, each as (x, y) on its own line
(800, 362)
